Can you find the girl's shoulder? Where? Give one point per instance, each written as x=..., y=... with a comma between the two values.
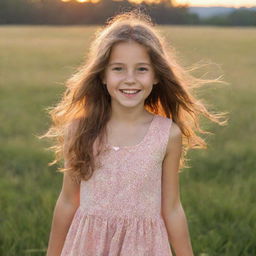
x=169, y=131
x=174, y=138
x=164, y=123
x=173, y=128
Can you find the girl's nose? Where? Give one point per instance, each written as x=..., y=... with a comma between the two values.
x=130, y=77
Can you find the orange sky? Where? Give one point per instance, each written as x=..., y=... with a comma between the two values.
x=233, y=3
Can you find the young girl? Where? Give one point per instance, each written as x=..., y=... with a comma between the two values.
x=123, y=127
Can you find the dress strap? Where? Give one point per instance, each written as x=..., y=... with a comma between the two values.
x=162, y=131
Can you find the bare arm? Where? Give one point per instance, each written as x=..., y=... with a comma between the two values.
x=172, y=210
x=64, y=211
x=66, y=206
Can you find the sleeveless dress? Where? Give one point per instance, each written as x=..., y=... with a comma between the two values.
x=120, y=205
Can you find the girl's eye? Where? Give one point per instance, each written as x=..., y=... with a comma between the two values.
x=143, y=69
x=117, y=69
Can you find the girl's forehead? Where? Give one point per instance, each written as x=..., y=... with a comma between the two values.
x=127, y=51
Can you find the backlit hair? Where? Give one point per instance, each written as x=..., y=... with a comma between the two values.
x=84, y=110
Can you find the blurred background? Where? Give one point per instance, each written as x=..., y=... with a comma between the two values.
x=41, y=44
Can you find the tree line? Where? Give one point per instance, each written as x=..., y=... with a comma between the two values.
x=57, y=12
x=239, y=17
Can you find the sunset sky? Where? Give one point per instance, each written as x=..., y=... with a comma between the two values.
x=232, y=3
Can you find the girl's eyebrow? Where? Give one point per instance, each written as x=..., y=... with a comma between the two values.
x=120, y=63
x=144, y=63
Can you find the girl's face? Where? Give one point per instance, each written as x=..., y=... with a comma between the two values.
x=129, y=75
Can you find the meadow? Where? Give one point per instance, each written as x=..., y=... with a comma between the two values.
x=217, y=191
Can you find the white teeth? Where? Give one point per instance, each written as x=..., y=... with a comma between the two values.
x=130, y=91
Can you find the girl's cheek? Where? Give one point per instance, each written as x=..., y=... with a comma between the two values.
x=113, y=82
x=146, y=80
x=117, y=79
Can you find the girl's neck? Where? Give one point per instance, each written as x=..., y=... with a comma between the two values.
x=131, y=117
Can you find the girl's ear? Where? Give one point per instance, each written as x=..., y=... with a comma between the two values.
x=156, y=81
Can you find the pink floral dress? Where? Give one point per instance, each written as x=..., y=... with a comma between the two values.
x=120, y=205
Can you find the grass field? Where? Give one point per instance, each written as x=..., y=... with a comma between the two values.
x=218, y=191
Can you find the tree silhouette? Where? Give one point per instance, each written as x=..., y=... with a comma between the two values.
x=73, y=12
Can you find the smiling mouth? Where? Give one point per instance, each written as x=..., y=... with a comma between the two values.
x=130, y=92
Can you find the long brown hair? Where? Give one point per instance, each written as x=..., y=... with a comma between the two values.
x=79, y=119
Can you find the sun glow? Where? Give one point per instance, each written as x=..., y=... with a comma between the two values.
x=147, y=1
x=82, y=1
